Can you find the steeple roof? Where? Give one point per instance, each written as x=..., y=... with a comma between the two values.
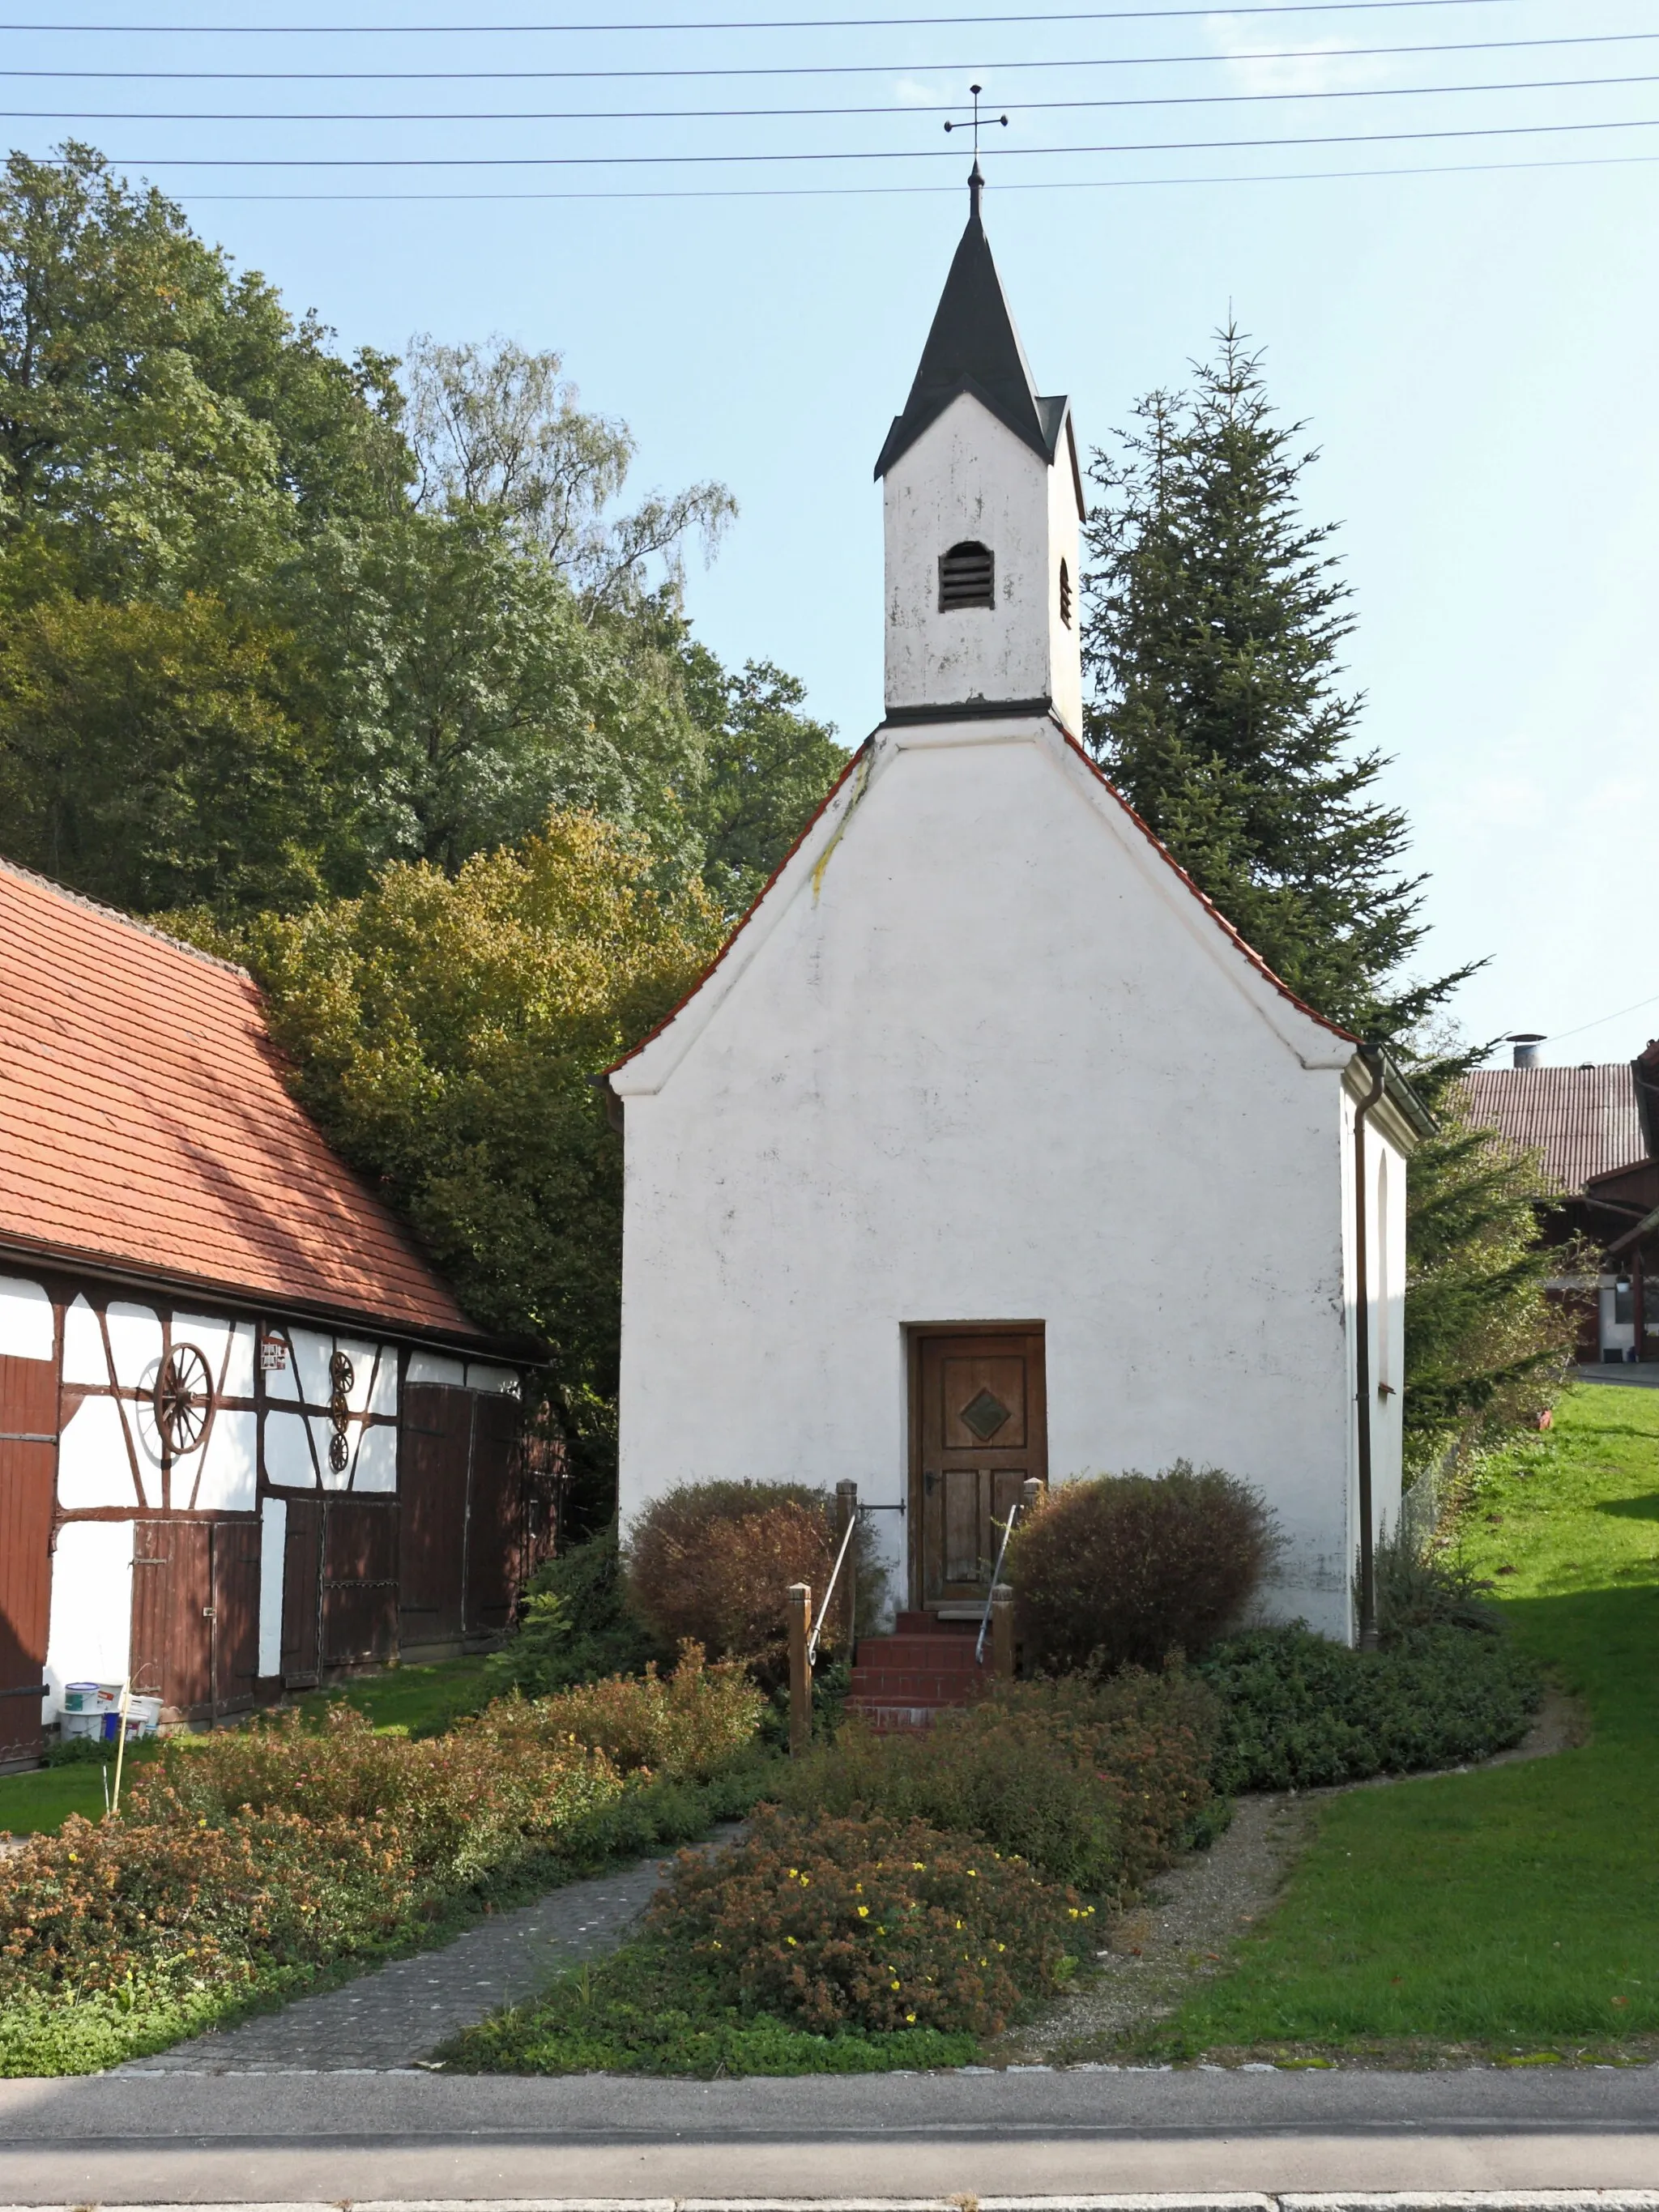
x=973, y=347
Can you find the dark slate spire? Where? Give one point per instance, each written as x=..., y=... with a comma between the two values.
x=973, y=347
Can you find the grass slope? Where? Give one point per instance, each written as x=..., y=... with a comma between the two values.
x=1518, y=1903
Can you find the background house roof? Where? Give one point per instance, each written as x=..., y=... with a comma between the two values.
x=144, y=1124
x=1584, y=1120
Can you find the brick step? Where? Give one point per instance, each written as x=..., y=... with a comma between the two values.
x=923, y=1681
x=929, y=1624
x=893, y=1720
x=935, y=1651
x=952, y=1681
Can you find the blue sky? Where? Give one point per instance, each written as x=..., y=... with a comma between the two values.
x=1474, y=352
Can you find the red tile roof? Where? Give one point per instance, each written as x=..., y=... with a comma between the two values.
x=1584, y=1120
x=144, y=1125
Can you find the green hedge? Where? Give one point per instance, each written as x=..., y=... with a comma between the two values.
x=1299, y=1711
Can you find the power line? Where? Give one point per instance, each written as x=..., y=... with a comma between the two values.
x=781, y=23
x=872, y=192
x=731, y=114
x=812, y=69
x=1602, y=1020
x=867, y=154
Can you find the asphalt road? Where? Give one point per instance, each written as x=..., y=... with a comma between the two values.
x=339, y=2136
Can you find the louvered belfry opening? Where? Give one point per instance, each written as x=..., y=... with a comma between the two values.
x=1065, y=595
x=967, y=577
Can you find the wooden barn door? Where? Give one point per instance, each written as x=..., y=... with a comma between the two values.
x=494, y=1525
x=28, y=1459
x=235, y=1614
x=196, y=1614
x=360, y=1581
x=979, y=1429
x=435, y=1453
x=172, y=1614
x=302, y=1594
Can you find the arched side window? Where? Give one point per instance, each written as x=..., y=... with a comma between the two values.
x=1064, y=595
x=967, y=577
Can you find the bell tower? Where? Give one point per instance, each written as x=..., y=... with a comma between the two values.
x=981, y=499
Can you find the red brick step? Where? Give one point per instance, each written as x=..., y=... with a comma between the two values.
x=924, y=1667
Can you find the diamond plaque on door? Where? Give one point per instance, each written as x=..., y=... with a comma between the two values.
x=984, y=1415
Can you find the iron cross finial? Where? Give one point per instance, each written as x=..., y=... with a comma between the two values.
x=961, y=123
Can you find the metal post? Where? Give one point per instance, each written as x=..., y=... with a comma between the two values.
x=1002, y=1633
x=1031, y=1495
x=121, y=1741
x=1362, y=1353
x=800, y=1672
x=847, y=1511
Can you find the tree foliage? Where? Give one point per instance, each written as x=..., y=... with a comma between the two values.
x=1485, y=1346
x=767, y=766
x=1213, y=639
x=276, y=619
x=446, y=1031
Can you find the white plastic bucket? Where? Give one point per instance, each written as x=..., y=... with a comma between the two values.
x=142, y=1716
x=90, y=1725
x=80, y=1698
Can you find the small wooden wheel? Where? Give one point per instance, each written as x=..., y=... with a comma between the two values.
x=183, y=1398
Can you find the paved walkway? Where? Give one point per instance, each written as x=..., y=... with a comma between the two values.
x=395, y=2015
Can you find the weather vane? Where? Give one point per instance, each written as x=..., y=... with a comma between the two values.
x=961, y=124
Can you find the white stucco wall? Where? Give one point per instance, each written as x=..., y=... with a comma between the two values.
x=89, y=1634
x=1003, y=1066
x=969, y=477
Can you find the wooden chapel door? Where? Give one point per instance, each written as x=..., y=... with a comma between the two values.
x=980, y=1429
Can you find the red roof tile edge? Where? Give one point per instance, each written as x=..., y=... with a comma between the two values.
x=127, y=920
x=112, y=1268
x=1095, y=769
x=1203, y=898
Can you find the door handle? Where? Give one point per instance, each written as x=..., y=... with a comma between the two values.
x=208, y=1612
x=927, y=1481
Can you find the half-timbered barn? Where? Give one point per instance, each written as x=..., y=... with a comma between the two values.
x=248, y=1439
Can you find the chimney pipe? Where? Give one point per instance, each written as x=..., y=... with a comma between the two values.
x=1526, y=1043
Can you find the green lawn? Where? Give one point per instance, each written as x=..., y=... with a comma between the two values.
x=420, y=1699
x=1518, y=1907
x=425, y=1701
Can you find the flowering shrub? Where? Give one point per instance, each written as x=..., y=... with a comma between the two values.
x=1146, y=1738
x=247, y=1860
x=838, y=1925
x=461, y=1805
x=1096, y=1785
x=691, y=1724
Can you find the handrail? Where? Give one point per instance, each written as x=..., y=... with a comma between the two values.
x=996, y=1577
x=823, y=1611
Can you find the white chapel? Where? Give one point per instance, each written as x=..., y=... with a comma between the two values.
x=987, y=1149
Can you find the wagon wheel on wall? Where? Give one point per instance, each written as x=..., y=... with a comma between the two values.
x=183, y=1399
x=342, y=1374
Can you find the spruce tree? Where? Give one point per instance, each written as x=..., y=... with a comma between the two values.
x=1216, y=620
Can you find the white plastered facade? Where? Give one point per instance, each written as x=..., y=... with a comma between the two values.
x=967, y=478
x=982, y=1054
